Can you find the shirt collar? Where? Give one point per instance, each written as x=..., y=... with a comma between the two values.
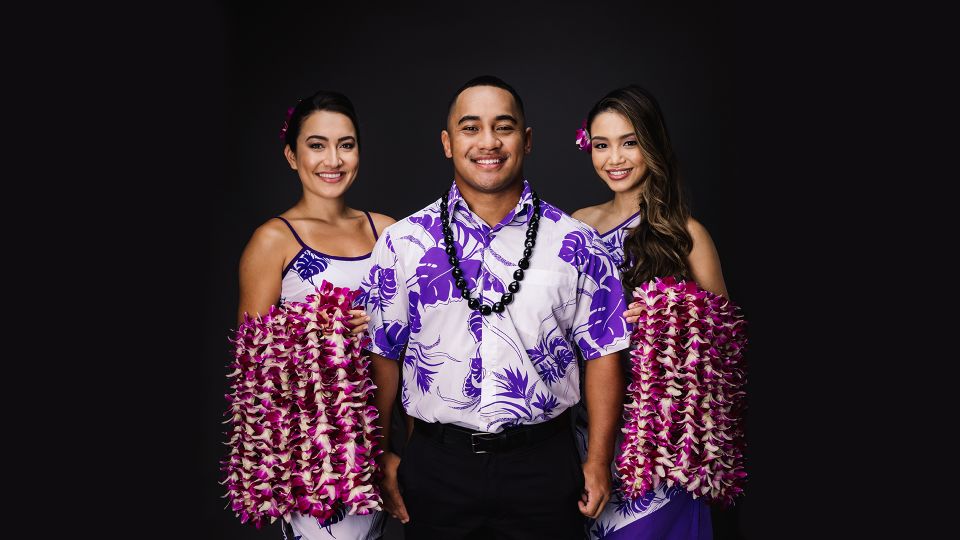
x=520, y=213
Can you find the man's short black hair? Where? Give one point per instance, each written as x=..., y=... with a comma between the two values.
x=484, y=80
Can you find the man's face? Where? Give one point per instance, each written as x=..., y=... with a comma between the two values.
x=486, y=139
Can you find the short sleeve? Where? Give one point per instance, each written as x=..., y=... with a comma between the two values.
x=601, y=328
x=386, y=301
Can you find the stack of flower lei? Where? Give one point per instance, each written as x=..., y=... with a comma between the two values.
x=303, y=434
x=684, y=416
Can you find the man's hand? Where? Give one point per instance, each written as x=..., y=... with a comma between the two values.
x=596, y=489
x=390, y=487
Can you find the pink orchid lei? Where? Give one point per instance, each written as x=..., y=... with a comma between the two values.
x=583, y=138
x=684, y=416
x=303, y=432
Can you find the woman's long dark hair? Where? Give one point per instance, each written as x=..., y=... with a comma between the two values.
x=659, y=245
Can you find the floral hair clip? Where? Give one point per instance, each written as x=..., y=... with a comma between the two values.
x=583, y=138
x=286, y=123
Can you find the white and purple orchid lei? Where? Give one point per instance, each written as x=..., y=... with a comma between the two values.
x=303, y=435
x=683, y=423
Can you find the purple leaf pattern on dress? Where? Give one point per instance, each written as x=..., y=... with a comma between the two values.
x=309, y=264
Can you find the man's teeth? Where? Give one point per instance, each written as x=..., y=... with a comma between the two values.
x=330, y=175
x=489, y=161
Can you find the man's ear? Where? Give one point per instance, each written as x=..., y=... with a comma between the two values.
x=445, y=141
x=291, y=157
x=528, y=140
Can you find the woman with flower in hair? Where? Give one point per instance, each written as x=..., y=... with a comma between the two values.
x=318, y=239
x=648, y=230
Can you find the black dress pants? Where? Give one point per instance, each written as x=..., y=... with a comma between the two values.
x=527, y=493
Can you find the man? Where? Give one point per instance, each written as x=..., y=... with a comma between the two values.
x=484, y=296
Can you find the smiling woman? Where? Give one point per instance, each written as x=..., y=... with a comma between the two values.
x=648, y=230
x=318, y=239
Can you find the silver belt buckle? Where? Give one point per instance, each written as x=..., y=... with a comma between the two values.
x=474, y=437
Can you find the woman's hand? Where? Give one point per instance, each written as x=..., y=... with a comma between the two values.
x=633, y=312
x=358, y=324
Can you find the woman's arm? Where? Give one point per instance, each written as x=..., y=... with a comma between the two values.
x=261, y=266
x=704, y=261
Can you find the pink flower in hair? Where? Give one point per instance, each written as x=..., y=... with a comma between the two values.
x=583, y=138
x=286, y=123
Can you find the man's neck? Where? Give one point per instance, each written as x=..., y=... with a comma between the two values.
x=491, y=207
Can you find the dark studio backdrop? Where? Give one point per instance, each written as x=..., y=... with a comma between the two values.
x=399, y=65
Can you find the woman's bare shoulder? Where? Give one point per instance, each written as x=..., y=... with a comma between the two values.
x=591, y=215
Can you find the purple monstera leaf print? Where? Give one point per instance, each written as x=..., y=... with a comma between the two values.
x=468, y=239
x=435, y=278
x=379, y=287
x=414, y=311
x=550, y=211
x=476, y=324
x=392, y=338
x=492, y=283
x=432, y=224
x=308, y=265
x=471, y=384
x=606, y=323
x=574, y=249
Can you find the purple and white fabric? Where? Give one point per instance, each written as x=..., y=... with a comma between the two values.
x=307, y=270
x=511, y=368
x=666, y=513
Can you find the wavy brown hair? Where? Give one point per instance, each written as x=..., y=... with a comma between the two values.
x=659, y=245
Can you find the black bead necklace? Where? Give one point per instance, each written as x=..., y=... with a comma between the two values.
x=532, y=224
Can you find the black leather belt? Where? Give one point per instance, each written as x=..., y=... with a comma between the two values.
x=481, y=442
